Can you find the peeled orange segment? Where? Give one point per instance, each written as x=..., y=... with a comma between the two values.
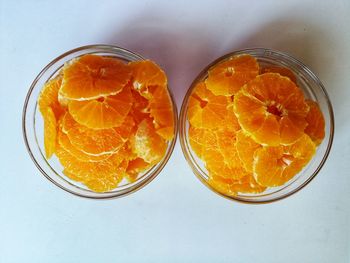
x=50, y=132
x=161, y=109
x=285, y=72
x=272, y=109
x=109, y=182
x=49, y=97
x=135, y=168
x=205, y=110
x=231, y=187
x=274, y=166
x=147, y=74
x=139, y=110
x=88, y=170
x=147, y=144
x=65, y=143
x=89, y=141
x=127, y=128
x=102, y=113
x=201, y=139
x=229, y=76
x=215, y=163
x=246, y=148
x=315, y=123
x=91, y=77
x=226, y=142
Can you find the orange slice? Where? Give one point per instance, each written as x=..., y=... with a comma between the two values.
x=201, y=139
x=315, y=123
x=89, y=170
x=229, y=76
x=232, y=187
x=205, y=110
x=65, y=143
x=272, y=109
x=50, y=132
x=91, y=77
x=89, y=141
x=246, y=148
x=49, y=97
x=161, y=109
x=147, y=74
x=226, y=142
x=147, y=144
x=286, y=72
x=274, y=166
x=135, y=168
x=102, y=113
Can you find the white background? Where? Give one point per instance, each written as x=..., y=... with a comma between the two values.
x=175, y=218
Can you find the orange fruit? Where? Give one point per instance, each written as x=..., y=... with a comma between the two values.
x=286, y=72
x=226, y=142
x=127, y=128
x=201, y=139
x=102, y=113
x=139, y=110
x=147, y=74
x=272, y=109
x=50, y=132
x=65, y=143
x=231, y=187
x=205, y=110
x=246, y=148
x=49, y=97
x=107, y=183
x=87, y=170
x=147, y=144
x=161, y=109
x=274, y=166
x=89, y=141
x=91, y=77
x=315, y=123
x=227, y=77
x=135, y=168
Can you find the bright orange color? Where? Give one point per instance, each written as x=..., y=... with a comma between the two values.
x=136, y=167
x=274, y=166
x=65, y=143
x=246, y=148
x=89, y=141
x=229, y=76
x=91, y=77
x=285, y=72
x=161, y=109
x=272, y=109
x=147, y=74
x=49, y=97
x=107, y=120
x=147, y=144
x=50, y=132
x=201, y=139
x=315, y=123
x=231, y=187
x=103, y=113
x=205, y=110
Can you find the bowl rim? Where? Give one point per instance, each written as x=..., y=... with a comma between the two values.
x=135, y=188
x=183, y=120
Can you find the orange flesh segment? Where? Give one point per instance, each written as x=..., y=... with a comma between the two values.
x=91, y=77
x=285, y=72
x=102, y=113
x=315, y=123
x=229, y=76
x=50, y=132
x=269, y=107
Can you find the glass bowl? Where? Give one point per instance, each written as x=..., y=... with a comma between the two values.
x=32, y=124
x=312, y=89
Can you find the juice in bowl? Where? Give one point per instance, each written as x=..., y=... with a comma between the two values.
x=100, y=121
x=256, y=125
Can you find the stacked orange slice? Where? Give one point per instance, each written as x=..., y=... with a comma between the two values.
x=107, y=120
x=252, y=127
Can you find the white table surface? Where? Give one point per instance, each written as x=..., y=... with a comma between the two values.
x=175, y=218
